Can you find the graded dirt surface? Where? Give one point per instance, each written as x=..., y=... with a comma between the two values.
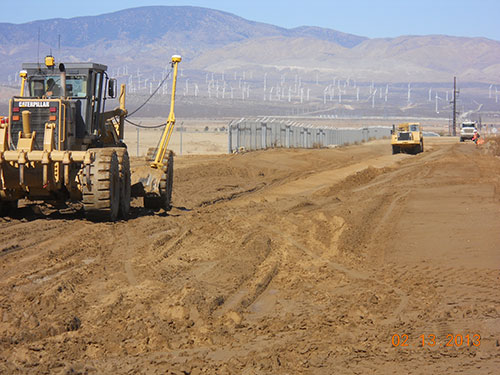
x=270, y=262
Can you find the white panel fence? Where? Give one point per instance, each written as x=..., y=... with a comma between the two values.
x=248, y=134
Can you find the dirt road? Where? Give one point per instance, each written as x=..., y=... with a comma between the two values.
x=274, y=262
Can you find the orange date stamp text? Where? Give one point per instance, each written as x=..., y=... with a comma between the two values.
x=431, y=340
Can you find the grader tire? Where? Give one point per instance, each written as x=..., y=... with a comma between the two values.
x=101, y=199
x=124, y=170
x=150, y=155
x=163, y=200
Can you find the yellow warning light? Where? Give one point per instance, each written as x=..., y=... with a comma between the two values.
x=23, y=74
x=49, y=61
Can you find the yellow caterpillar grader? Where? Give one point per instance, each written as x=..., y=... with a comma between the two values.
x=59, y=144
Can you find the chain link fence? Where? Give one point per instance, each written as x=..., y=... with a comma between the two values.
x=251, y=134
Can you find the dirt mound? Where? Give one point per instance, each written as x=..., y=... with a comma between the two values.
x=491, y=146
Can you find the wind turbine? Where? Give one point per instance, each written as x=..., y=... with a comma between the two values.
x=138, y=78
x=437, y=98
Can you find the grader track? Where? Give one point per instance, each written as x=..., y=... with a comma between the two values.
x=270, y=262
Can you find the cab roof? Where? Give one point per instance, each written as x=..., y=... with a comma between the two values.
x=68, y=66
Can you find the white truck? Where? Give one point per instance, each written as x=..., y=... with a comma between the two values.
x=467, y=130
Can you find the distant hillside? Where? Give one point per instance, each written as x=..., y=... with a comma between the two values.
x=433, y=58
x=194, y=27
x=209, y=40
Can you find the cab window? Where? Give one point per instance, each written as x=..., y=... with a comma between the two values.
x=76, y=86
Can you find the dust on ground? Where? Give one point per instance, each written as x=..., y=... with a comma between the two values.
x=270, y=262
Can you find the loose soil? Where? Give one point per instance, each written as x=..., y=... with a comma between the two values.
x=270, y=262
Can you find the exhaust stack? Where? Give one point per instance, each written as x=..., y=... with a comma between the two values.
x=62, y=69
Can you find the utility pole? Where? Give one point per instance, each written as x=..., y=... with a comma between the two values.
x=455, y=93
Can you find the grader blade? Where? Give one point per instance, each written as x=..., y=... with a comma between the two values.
x=155, y=185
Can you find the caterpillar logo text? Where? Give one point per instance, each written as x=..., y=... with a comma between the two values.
x=34, y=104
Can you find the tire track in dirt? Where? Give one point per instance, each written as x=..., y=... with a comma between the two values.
x=354, y=274
x=157, y=293
x=56, y=242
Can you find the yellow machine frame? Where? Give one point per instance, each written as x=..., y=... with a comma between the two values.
x=169, y=128
x=412, y=142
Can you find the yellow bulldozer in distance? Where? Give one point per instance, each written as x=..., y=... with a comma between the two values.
x=407, y=138
x=59, y=144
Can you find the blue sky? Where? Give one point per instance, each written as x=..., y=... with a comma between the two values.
x=375, y=18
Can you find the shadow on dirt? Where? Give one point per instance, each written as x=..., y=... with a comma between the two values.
x=75, y=211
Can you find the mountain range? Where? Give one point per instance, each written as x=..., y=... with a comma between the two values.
x=214, y=41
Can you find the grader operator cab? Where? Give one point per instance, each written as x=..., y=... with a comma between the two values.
x=407, y=138
x=59, y=143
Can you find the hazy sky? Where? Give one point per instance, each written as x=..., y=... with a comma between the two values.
x=371, y=18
